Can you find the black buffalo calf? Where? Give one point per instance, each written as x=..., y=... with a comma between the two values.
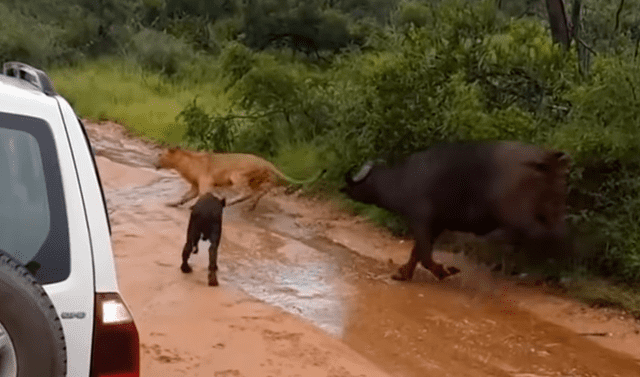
x=205, y=223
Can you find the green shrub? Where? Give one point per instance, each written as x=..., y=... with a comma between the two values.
x=602, y=135
x=226, y=30
x=204, y=131
x=236, y=60
x=412, y=13
x=300, y=161
x=160, y=51
x=24, y=40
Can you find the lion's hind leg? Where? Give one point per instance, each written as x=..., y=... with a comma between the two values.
x=260, y=182
x=258, y=196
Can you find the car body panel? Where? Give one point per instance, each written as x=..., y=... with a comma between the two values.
x=73, y=297
x=105, y=273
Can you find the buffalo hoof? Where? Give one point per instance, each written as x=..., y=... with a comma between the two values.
x=496, y=267
x=405, y=273
x=440, y=273
x=213, y=280
x=453, y=270
x=185, y=268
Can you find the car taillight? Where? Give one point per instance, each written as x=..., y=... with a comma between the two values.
x=116, y=346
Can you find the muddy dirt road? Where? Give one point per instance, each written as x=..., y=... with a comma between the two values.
x=305, y=291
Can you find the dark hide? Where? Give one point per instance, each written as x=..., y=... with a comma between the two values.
x=205, y=223
x=506, y=188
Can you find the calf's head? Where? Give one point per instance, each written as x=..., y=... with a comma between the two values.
x=360, y=186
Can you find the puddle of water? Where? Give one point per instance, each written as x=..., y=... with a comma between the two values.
x=297, y=278
x=286, y=225
x=306, y=275
x=305, y=290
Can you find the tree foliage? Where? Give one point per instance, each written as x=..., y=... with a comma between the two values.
x=465, y=73
x=361, y=79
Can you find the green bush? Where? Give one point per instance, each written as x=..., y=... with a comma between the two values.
x=236, y=60
x=22, y=39
x=203, y=131
x=603, y=136
x=160, y=51
x=411, y=13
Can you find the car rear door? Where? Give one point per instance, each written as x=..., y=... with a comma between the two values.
x=43, y=217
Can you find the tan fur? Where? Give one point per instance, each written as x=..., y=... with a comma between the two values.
x=252, y=175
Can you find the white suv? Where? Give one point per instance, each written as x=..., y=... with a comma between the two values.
x=61, y=313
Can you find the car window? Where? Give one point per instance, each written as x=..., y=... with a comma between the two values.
x=33, y=220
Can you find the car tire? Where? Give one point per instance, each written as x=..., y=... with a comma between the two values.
x=31, y=335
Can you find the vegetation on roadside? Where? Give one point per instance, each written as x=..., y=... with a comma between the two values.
x=601, y=293
x=331, y=83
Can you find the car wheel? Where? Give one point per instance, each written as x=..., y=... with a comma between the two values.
x=31, y=337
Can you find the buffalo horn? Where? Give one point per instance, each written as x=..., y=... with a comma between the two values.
x=362, y=174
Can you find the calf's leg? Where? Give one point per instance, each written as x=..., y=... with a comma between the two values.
x=186, y=252
x=193, y=236
x=214, y=239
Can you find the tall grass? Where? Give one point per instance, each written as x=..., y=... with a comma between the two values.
x=145, y=102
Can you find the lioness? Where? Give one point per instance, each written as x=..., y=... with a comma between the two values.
x=253, y=175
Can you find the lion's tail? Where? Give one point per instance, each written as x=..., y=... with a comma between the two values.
x=317, y=176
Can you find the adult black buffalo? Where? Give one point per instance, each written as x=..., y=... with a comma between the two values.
x=507, y=188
